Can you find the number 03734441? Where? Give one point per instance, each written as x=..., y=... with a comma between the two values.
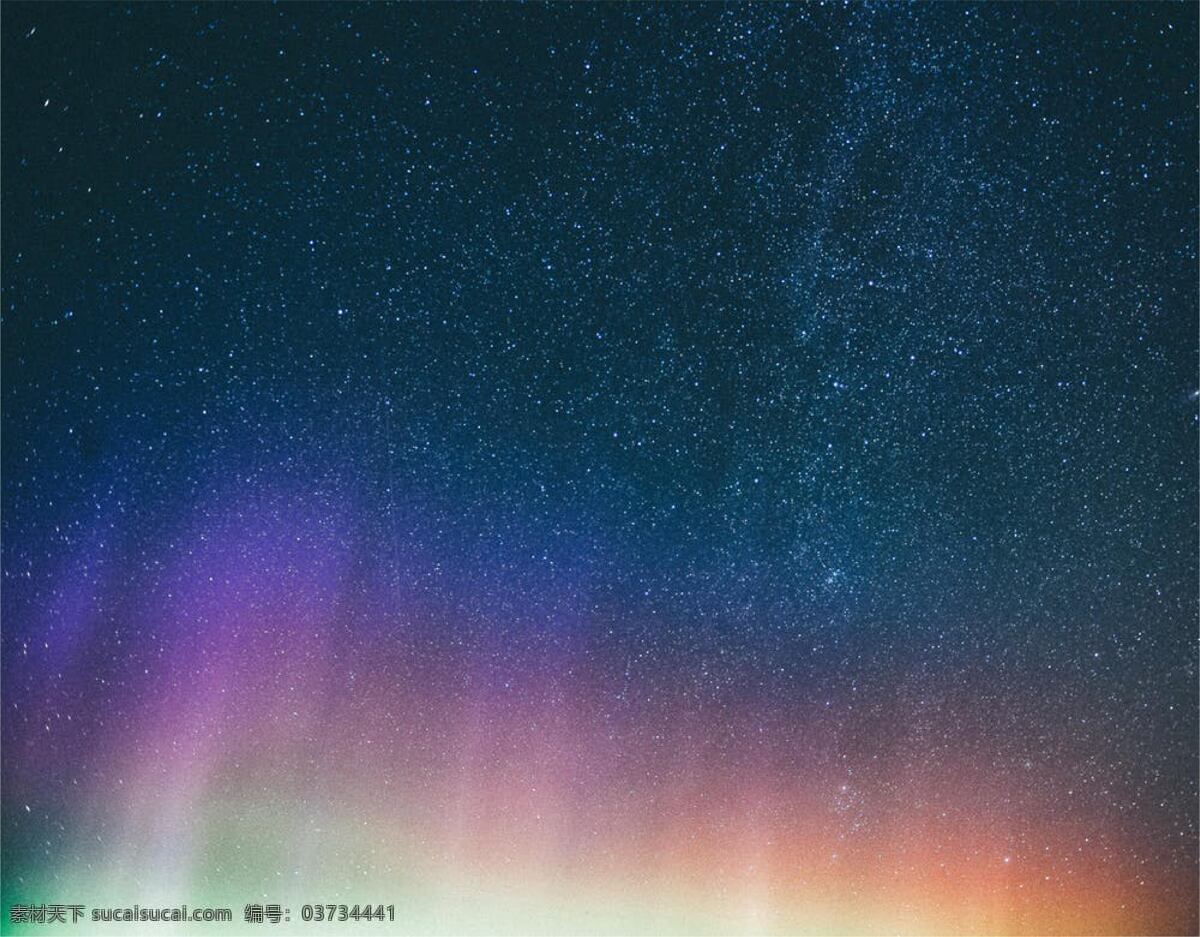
x=344, y=912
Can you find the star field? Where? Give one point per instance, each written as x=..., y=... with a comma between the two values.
x=604, y=469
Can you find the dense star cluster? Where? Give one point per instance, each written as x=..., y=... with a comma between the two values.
x=622, y=468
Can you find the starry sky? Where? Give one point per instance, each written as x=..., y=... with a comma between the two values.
x=603, y=469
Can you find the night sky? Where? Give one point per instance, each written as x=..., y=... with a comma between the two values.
x=603, y=469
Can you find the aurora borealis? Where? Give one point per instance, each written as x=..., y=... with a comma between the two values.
x=595, y=469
